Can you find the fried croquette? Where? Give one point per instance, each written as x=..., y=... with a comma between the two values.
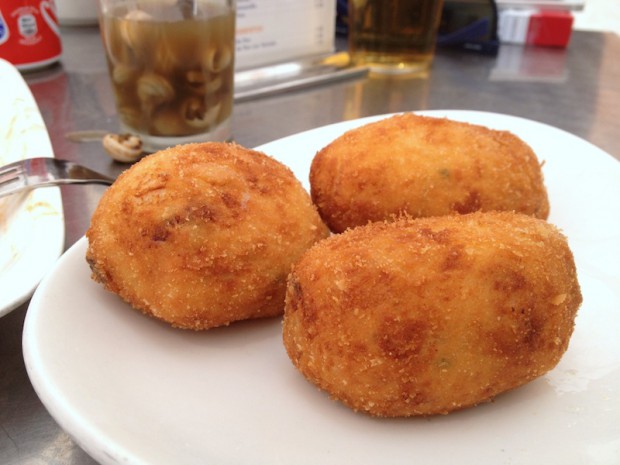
x=427, y=316
x=424, y=166
x=202, y=235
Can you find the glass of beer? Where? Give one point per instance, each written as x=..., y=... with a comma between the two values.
x=394, y=36
x=171, y=65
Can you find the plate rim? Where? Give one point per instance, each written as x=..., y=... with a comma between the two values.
x=113, y=453
x=12, y=78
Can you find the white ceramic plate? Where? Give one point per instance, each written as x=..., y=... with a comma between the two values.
x=31, y=225
x=132, y=390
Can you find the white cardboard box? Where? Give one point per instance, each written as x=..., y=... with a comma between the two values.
x=272, y=31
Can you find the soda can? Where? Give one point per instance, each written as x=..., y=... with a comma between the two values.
x=29, y=33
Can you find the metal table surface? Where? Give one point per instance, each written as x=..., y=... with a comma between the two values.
x=577, y=89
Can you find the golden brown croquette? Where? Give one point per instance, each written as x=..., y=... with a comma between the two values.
x=202, y=235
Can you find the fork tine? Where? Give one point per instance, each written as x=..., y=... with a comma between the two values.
x=11, y=176
x=9, y=171
x=40, y=172
x=7, y=168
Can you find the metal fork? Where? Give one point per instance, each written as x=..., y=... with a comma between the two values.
x=32, y=173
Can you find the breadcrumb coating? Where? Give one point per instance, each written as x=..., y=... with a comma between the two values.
x=427, y=316
x=424, y=166
x=202, y=235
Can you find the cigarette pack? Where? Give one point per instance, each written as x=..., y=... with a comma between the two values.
x=549, y=28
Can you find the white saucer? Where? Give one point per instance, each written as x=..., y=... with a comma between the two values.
x=132, y=390
x=31, y=225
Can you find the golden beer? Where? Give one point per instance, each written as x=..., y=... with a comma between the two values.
x=394, y=36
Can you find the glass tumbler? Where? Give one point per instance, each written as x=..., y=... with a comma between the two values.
x=171, y=65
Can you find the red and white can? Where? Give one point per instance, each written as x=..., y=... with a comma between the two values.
x=29, y=34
